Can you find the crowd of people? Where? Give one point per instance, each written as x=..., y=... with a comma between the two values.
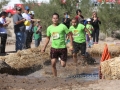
x=80, y=33
x=25, y=28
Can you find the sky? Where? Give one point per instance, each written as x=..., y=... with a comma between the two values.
x=12, y=2
x=31, y=0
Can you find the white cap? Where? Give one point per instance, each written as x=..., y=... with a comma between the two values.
x=88, y=19
x=31, y=12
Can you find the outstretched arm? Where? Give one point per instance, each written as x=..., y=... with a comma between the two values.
x=46, y=43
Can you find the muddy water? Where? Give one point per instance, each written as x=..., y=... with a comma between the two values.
x=79, y=72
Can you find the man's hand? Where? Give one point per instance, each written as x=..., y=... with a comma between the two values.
x=23, y=20
x=71, y=48
x=90, y=37
x=43, y=50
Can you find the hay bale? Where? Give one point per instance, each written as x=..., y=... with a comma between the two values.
x=110, y=69
x=26, y=58
x=12, y=60
x=97, y=49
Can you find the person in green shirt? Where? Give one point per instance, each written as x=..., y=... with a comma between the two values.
x=57, y=32
x=90, y=28
x=79, y=40
x=37, y=34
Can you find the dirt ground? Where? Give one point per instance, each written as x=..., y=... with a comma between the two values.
x=69, y=78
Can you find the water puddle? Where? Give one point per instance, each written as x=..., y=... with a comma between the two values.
x=85, y=76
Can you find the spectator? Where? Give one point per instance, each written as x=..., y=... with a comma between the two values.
x=31, y=13
x=66, y=20
x=28, y=27
x=19, y=29
x=79, y=17
x=37, y=34
x=3, y=31
x=90, y=28
x=95, y=22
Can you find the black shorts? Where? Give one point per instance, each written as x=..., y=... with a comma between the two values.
x=79, y=47
x=56, y=53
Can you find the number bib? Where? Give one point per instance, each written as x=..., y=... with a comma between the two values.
x=76, y=33
x=55, y=35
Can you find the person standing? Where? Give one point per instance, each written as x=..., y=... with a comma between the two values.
x=57, y=32
x=3, y=32
x=19, y=29
x=95, y=22
x=31, y=13
x=79, y=40
x=79, y=17
x=66, y=20
x=37, y=34
x=91, y=29
x=28, y=27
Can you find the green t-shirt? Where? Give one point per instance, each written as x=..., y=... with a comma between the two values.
x=89, y=27
x=58, y=33
x=36, y=36
x=78, y=33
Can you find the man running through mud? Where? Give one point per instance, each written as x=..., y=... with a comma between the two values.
x=79, y=39
x=57, y=32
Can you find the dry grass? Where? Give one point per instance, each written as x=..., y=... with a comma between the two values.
x=97, y=49
x=26, y=58
x=111, y=68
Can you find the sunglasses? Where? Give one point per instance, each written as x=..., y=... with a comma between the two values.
x=20, y=10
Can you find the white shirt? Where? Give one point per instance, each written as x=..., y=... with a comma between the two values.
x=27, y=17
x=2, y=29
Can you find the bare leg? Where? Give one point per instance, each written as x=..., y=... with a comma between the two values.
x=84, y=61
x=63, y=63
x=54, y=70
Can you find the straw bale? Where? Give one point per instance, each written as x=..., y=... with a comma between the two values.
x=26, y=58
x=24, y=52
x=110, y=69
x=12, y=60
x=97, y=49
x=105, y=70
x=36, y=49
x=2, y=58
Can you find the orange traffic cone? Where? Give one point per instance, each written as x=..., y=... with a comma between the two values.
x=105, y=56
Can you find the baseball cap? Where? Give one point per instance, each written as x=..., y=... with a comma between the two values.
x=88, y=19
x=31, y=13
x=27, y=8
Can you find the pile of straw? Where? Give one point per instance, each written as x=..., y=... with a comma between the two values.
x=97, y=49
x=26, y=58
x=110, y=69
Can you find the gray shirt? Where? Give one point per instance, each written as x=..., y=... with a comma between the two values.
x=18, y=27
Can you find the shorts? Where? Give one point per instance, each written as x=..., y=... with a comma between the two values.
x=87, y=37
x=56, y=53
x=79, y=47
